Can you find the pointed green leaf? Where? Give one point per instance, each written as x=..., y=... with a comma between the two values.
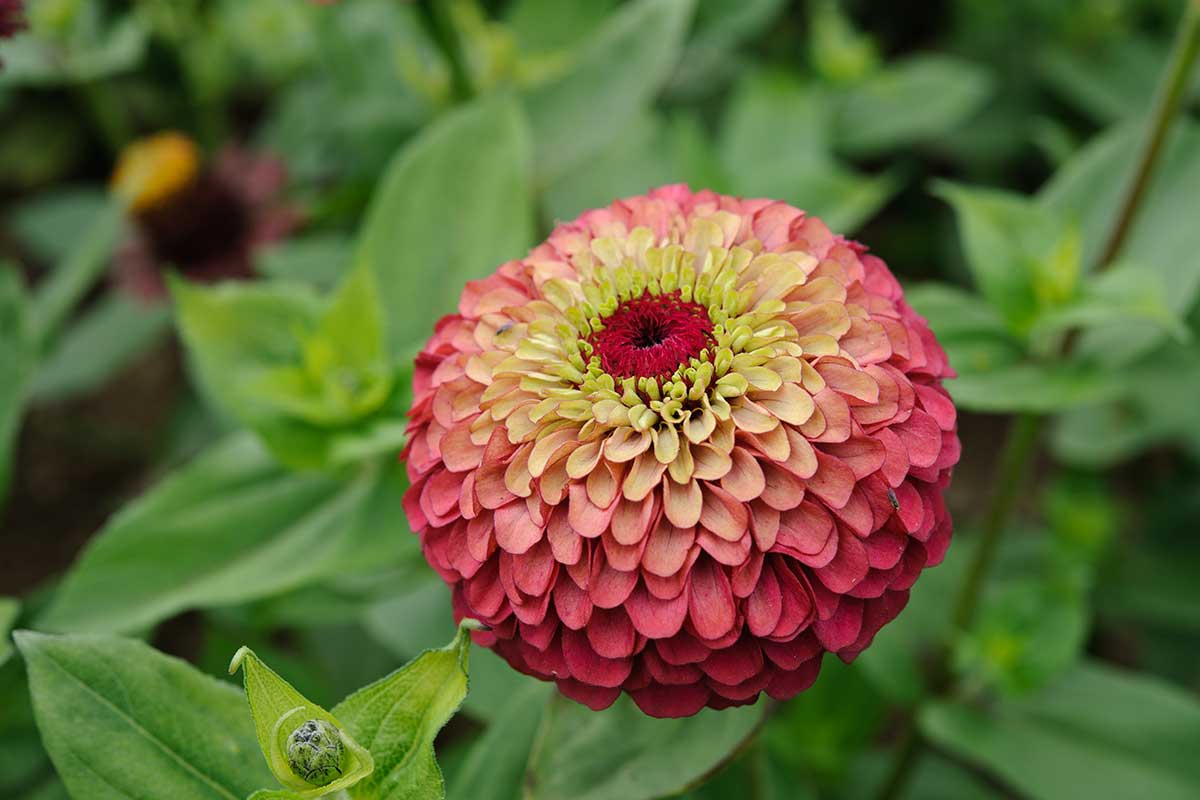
x=105, y=339
x=453, y=205
x=1127, y=293
x=1098, y=732
x=1034, y=387
x=908, y=101
x=622, y=754
x=16, y=364
x=122, y=721
x=279, y=710
x=769, y=108
x=1089, y=188
x=398, y=717
x=1006, y=239
x=344, y=373
x=614, y=76
x=231, y=526
x=494, y=768
x=78, y=271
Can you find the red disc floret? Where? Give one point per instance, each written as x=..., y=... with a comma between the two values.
x=651, y=336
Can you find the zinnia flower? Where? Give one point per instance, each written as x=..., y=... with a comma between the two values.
x=682, y=449
x=204, y=221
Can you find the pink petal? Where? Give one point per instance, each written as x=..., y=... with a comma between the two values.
x=849, y=564
x=608, y=586
x=667, y=548
x=611, y=634
x=723, y=515
x=842, y=628
x=671, y=701
x=734, y=664
x=833, y=481
x=655, y=618
x=588, y=666
x=565, y=543
x=731, y=554
x=764, y=606
x=572, y=604
x=631, y=520
x=516, y=531
x=534, y=570
x=710, y=600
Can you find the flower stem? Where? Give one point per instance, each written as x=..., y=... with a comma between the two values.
x=1020, y=446
x=1021, y=443
x=438, y=24
x=1166, y=103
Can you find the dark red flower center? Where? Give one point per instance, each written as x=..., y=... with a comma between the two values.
x=206, y=221
x=652, y=336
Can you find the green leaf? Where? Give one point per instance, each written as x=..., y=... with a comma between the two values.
x=640, y=156
x=344, y=373
x=1027, y=633
x=712, y=59
x=311, y=378
x=318, y=259
x=47, y=223
x=1124, y=294
x=612, y=80
x=1034, y=387
x=229, y=527
x=1155, y=406
x=551, y=25
x=821, y=731
x=278, y=710
x=10, y=609
x=912, y=100
x=16, y=364
x=622, y=754
x=769, y=108
x=494, y=768
x=121, y=721
x=973, y=333
x=80, y=268
x=91, y=48
x=105, y=339
x=398, y=717
x=1089, y=189
x=416, y=619
x=1098, y=732
x=1007, y=239
x=453, y=205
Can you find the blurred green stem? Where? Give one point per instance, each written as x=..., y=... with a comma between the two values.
x=1020, y=446
x=1166, y=103
x=438, y=21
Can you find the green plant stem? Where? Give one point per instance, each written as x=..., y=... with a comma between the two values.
x=1166, y=103
x=1021, y=442
x=1020, y=447
x=436, y=19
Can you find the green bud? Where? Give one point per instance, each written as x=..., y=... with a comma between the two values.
x=315, y=752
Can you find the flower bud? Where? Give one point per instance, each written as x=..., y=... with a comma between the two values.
x=315, y=752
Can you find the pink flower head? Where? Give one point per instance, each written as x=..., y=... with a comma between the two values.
x=682, y=449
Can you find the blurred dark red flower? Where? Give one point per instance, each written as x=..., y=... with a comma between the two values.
x=204, y=221
x=12, y=17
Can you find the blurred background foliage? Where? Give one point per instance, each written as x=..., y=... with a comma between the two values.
x=979, y=147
